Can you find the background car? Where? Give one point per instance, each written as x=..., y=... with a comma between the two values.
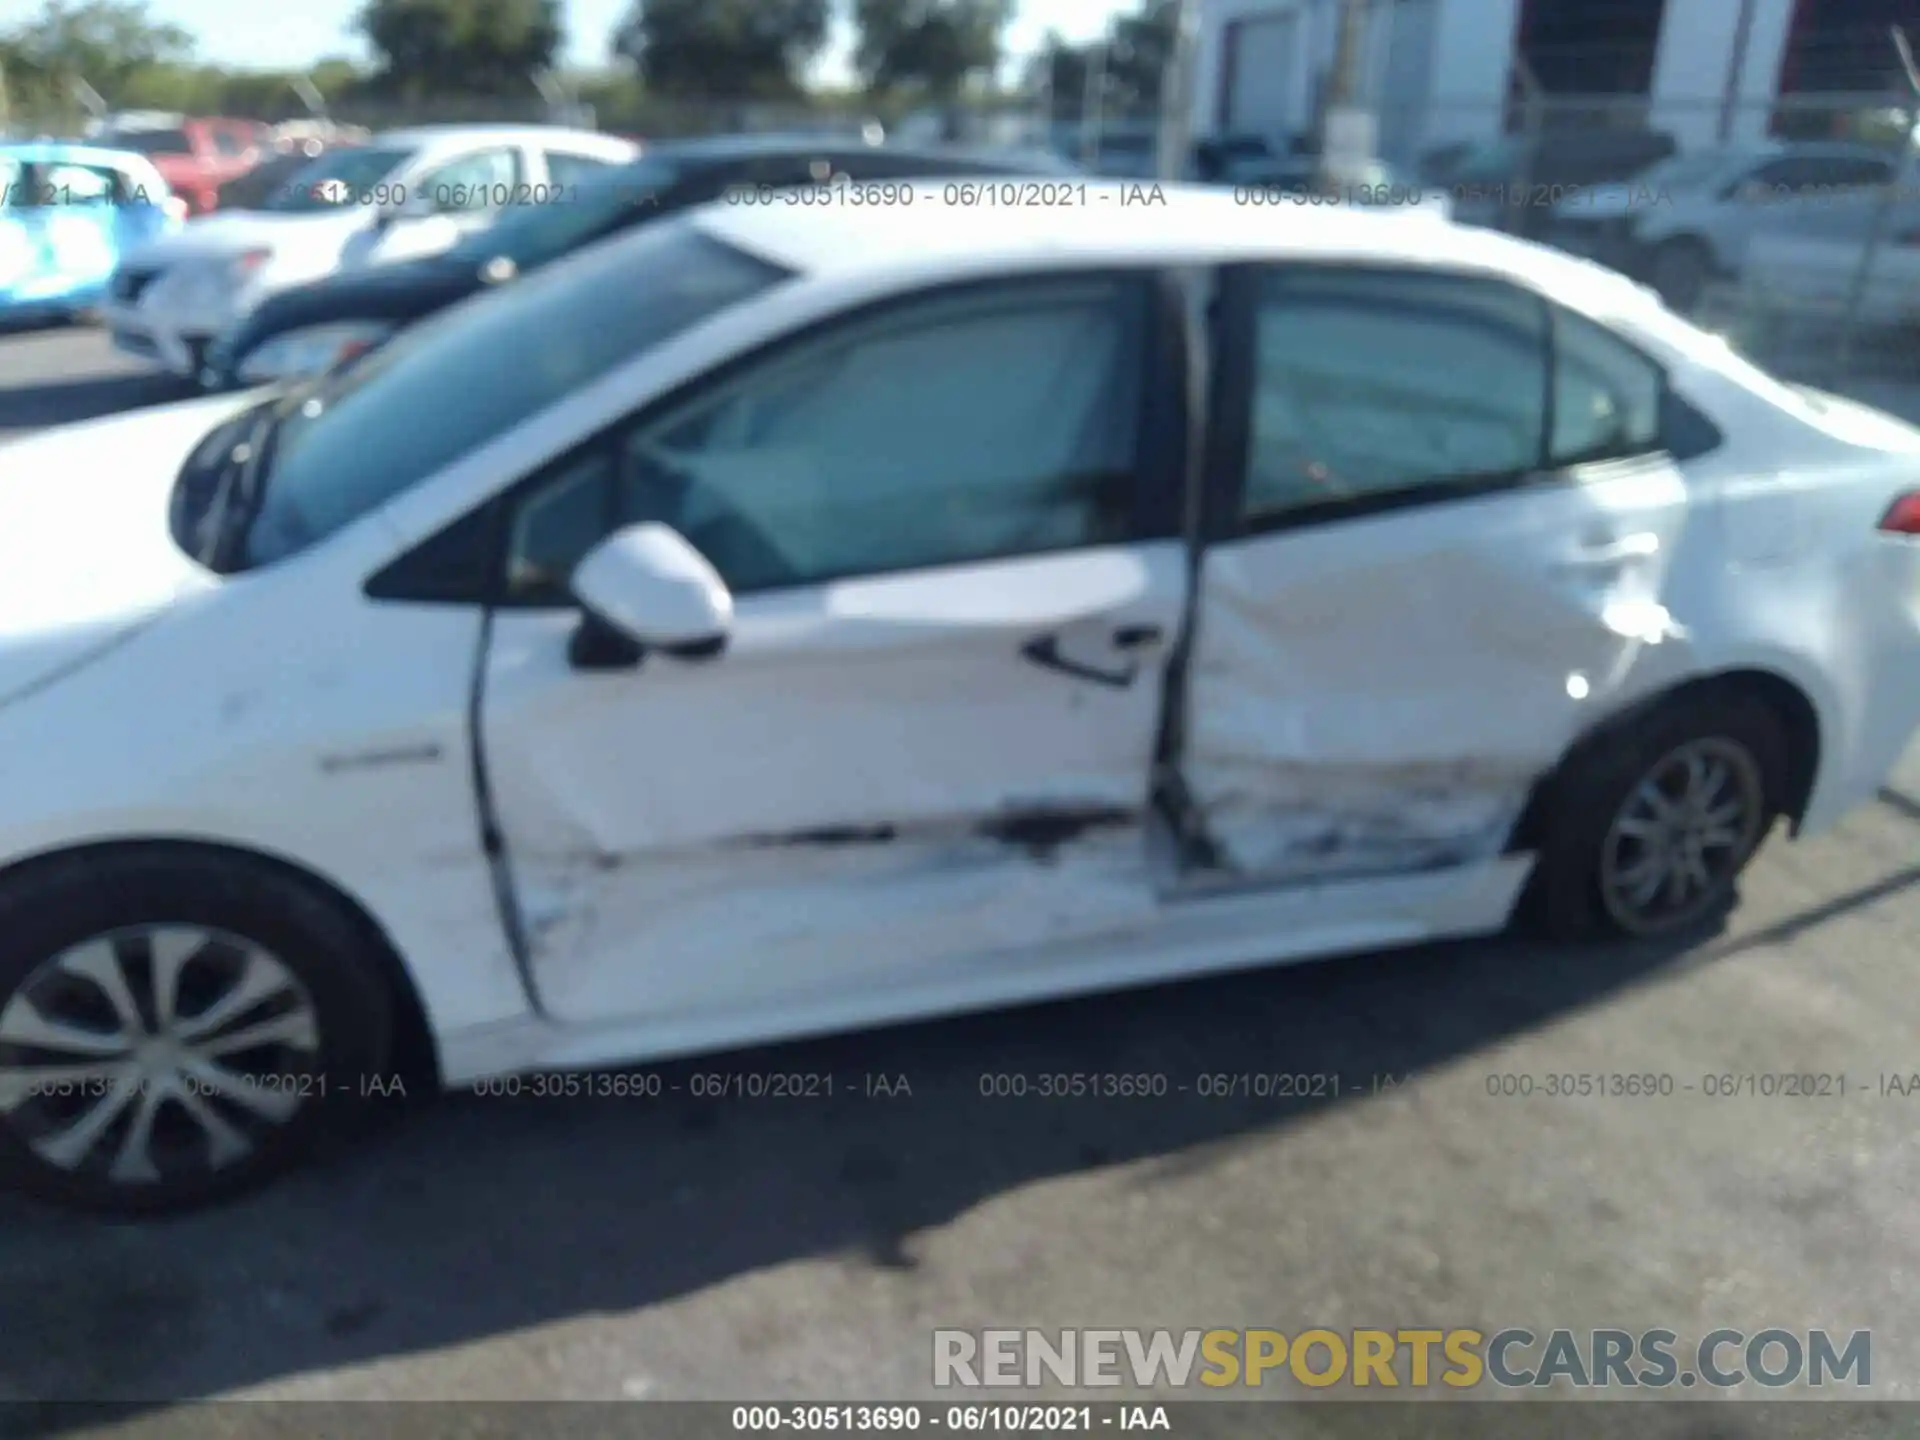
x=67, y=213
x=1487, y=181
x=315, y=327
x=196, y=156
x=405, y=194
x=256, y=189
x=1809, y=265
x=1686, y=222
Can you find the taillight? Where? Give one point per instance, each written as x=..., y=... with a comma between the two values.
x=1903, y=516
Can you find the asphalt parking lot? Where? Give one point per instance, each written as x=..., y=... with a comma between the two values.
x=677, y=1248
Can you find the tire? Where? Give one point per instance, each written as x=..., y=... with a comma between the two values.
x=327, y=1011
x=1583, y=845
x=1680, y=271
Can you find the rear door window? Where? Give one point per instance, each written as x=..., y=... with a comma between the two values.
x=1376, y=387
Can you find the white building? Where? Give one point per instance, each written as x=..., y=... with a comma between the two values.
x=1439, y=71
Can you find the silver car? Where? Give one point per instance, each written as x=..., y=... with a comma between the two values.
x=1689, y=220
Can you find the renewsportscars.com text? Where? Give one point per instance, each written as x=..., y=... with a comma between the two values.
x=1459, y=1358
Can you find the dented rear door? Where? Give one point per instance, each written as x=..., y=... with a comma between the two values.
x=1439, y=524
x=951, y=533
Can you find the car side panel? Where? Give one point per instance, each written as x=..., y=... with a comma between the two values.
x=285, y=714
x=1801, y=585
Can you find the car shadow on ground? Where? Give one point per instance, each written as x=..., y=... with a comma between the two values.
x=70, y=400
x=473, y=1217
x=67, y=402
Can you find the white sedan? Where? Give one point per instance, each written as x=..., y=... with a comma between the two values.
x=790, y=618
x=404, y=195
x=1813, y=269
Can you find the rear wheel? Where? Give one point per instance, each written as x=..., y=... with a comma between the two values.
x=1681, y=270
x=178, y=1029
x=1646, y=832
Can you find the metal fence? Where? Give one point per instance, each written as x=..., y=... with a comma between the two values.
x=1814, y=272
x=1790, y=226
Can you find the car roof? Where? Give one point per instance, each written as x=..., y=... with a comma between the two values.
x=751, y=147
x=724, y=149
x=419, y=136
x=1196, y=224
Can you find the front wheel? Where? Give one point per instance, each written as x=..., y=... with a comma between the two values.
x=1645, y=833
x=175, y=1028
x=1680, y=272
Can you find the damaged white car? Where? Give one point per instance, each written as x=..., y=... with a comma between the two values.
x=788, y=619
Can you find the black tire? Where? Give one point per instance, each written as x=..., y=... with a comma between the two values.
x=50, y=907
x=1564, y=900
x=1681, y=271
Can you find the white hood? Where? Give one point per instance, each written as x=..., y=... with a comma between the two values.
x=85, y=553
x=310, y=237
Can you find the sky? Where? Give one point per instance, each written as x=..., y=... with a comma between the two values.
x=286, y=34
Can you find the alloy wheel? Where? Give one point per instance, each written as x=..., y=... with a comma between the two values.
x=157, y=1053
x=1682, y=835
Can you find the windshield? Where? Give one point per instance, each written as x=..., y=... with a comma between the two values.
x=340, y=178
x=531, y=235
x=386, y=424
x=147, y=142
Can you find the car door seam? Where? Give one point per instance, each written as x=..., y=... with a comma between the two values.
x=493, y=840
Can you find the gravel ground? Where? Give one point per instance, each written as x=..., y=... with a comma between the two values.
x=491, y=1249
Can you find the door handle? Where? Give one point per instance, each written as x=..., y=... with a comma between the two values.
x=1045, y=652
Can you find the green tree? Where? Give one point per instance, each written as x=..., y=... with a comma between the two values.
x=1059, y=70
x=460, y=47
x=1139, y=46
x=929, y=46
x=723, y=49
x=106, y=43
x=334, y=75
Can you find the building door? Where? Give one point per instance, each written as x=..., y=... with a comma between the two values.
x=1262, y=91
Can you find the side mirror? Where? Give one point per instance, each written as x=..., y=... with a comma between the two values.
x=645, y=588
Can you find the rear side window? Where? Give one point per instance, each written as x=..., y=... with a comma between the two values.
x=1606, y=395
x=1613, y=402
x=565, y=170
x=1371, y=386
x=1378, y=388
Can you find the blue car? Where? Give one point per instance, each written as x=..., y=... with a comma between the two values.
x=67, y=214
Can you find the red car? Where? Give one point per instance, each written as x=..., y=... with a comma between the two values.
x=196, y=157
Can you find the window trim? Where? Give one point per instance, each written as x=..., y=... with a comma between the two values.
x=549, y=153
x=1159, y=454
x=1234, y=316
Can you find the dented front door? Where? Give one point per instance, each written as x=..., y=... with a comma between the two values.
x=1421, y=585
x=925, y=749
